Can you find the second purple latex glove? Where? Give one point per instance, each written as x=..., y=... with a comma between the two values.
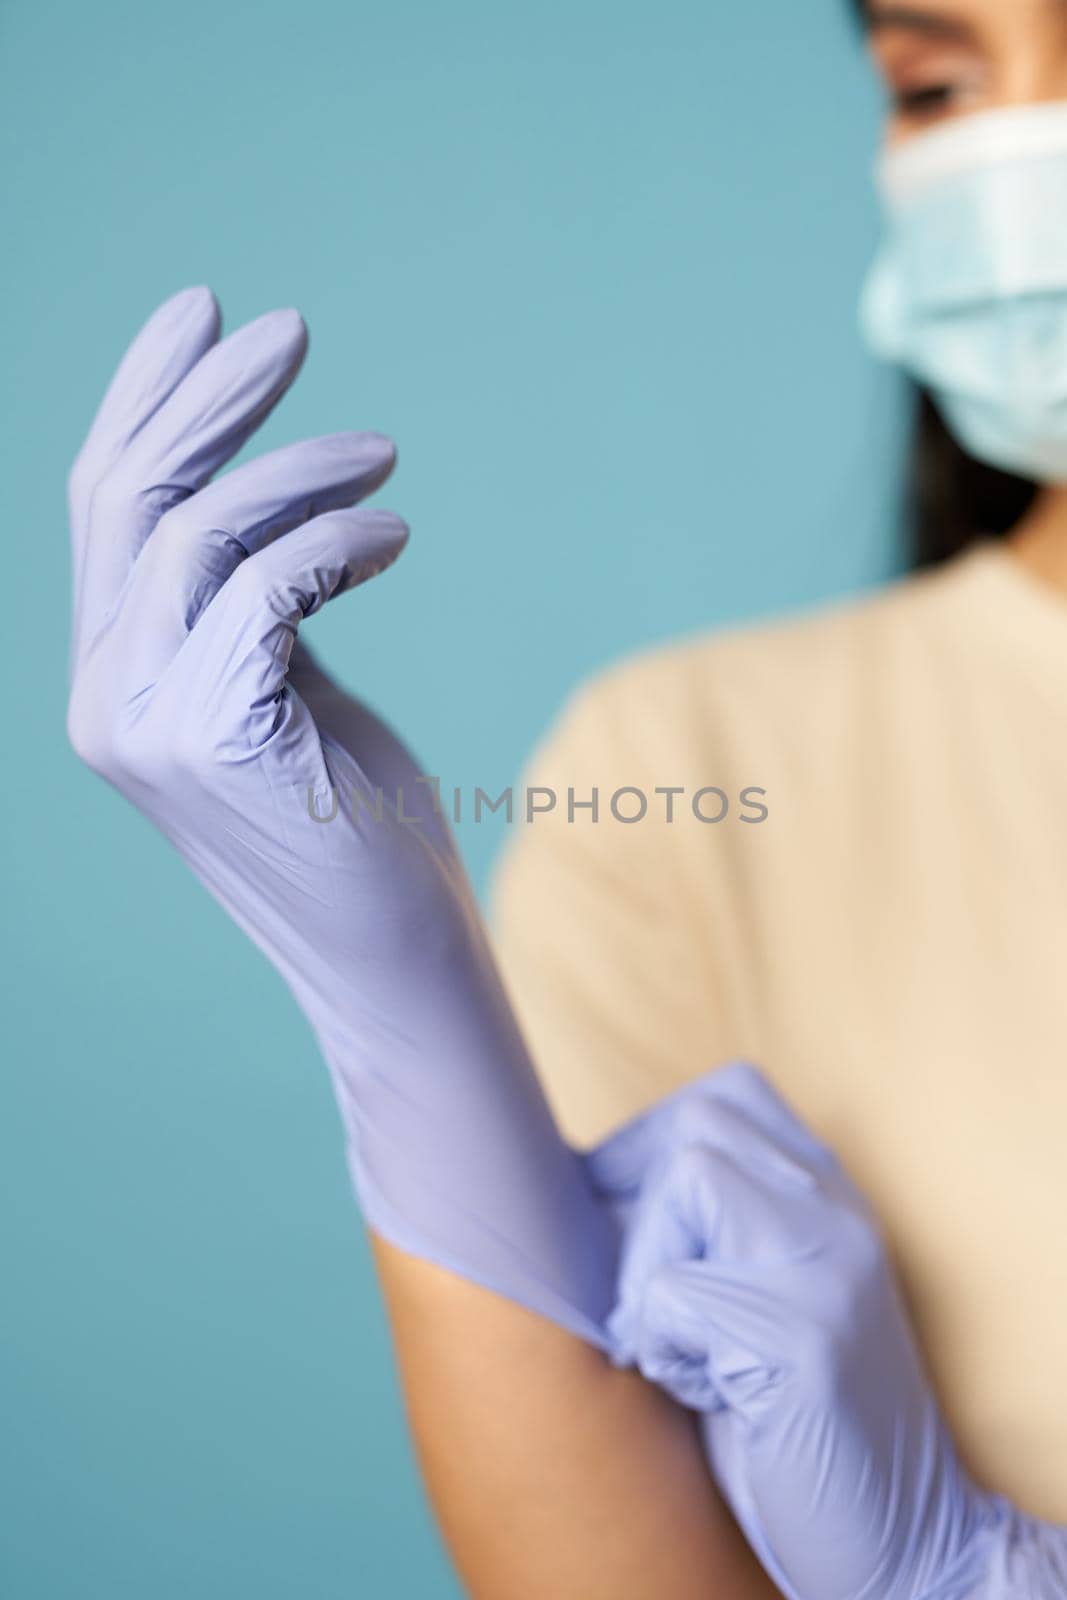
x=755, y=1287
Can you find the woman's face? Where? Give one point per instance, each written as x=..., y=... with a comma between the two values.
x=942, y=59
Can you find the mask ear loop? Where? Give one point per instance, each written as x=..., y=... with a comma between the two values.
x=969, y=144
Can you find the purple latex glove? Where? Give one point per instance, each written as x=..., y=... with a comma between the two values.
x=756, y=1289
x=192, y=696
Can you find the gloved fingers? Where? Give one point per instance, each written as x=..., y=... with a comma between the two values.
x=722, y=1111
x=161, y=355
x=233, y=665
x=670, y=1338
x=709, y=1205
x=168, y=346
x=733, y=1107
x=223, y=400
x=675, y=1220
x=707, y=1337
x=199, y=544
x=205, y=420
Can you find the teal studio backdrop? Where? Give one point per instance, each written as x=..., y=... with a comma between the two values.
x=594, y=266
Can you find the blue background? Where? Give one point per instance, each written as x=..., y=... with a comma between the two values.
x=595, y=268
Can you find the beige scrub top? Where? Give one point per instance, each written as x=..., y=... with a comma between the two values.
x=889, y=944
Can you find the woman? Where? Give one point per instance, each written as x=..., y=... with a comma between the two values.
x=888, y=945
x=553, y=1471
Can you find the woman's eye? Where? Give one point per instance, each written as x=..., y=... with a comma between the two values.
x=931, y=97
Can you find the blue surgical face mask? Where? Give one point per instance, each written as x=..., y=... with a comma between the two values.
x=969, y=291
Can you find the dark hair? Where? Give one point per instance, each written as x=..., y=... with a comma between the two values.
x=950, y=498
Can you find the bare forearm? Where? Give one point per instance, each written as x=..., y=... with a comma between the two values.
x=552, y=1473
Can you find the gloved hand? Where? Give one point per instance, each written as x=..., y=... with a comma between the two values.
x=192, y=695
x=756, y=1289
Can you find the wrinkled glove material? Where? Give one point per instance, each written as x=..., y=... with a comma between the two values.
x=193, y=694
x=756, y=1288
